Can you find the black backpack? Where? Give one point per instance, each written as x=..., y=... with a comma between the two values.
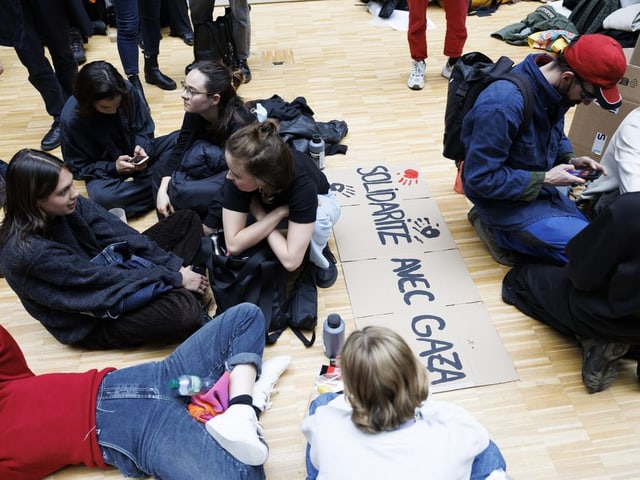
x=257, y=276
x=471, y=75
x=213, y=40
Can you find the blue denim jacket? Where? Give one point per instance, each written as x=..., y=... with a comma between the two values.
x=504, y=167
x=118, y=253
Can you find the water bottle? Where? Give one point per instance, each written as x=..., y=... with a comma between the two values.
x=316, y=150
x=333, y=336
x=189, y=385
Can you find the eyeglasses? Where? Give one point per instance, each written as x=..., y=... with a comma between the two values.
x=190, y=92
x=585, y=94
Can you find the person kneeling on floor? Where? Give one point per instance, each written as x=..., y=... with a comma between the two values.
x=595, y=296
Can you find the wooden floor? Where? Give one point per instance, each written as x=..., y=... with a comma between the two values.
x=546, y=424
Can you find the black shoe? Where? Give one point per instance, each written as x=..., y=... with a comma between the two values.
x=499, y=254
x=52, y=139
x=326, y=277
x=244, y=68
x=99, y=27
x=600, y=363
x=188, y=38
x=77, y=46
x=135, y=81
x=154, y=76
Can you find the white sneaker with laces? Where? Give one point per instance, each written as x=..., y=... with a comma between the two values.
x=239, y=432
x=264, y=386
x=446, y=70
x=416, y=78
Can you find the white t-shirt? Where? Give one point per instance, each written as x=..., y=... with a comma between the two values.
x=441, y=444
x=621, y=159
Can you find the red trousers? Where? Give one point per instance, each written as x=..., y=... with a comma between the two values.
x=455, y=35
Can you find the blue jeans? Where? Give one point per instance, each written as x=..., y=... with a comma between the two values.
x=545, y=239
x=143, y=426
x=137, y=18
x=487, y=461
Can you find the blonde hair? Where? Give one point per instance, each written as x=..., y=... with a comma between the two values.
x=383, y=379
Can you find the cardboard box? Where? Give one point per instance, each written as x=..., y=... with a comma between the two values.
x=592, y=127
x=629, y=84
x=635, y=56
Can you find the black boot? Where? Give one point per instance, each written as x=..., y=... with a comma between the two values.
x=154, y=76
x=135, y=81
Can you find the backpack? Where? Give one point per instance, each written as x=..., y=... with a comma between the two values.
x=213, y=40
x=258, y=277
x=471, y=75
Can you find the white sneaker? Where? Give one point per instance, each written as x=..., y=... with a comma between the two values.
x=416, y=79
x=264, y=386
x=239, y=432
x=446, y=70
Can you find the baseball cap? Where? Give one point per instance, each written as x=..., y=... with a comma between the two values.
x=599, y=60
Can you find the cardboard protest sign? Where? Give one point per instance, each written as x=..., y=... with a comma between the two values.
x=377, y=183
x=387, y=229
x=458, y=344
x=403, y=270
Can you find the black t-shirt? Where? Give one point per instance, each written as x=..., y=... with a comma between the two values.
x=301, y=196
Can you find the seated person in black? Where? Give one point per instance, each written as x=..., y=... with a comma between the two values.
x=272, y=183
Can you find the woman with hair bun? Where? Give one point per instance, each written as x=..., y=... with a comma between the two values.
x=274, y=184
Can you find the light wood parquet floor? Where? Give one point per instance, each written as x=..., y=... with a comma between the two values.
x=546, y=424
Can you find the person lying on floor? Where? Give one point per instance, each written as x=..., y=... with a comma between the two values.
x=595, y=297
x=387, y=425
x=89, y=278
x=131, y=418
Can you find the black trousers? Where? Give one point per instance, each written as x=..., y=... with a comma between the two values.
x=46, y=22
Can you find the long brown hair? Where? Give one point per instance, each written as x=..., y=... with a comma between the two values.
x=264, y=156
x=32, y=175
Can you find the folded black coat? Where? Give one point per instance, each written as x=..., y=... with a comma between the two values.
x=297, y=125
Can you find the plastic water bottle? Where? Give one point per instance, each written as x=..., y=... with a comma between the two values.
x=316, y=150
x=189, y=385
x=333, y=336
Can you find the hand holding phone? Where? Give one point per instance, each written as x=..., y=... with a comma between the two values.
x=585, y=173
x=139, y=159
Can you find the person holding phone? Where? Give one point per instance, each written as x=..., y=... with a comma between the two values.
x=108, y=139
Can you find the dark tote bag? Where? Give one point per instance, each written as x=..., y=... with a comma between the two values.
x=256, y=276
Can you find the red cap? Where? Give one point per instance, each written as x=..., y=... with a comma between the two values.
x=599, y=60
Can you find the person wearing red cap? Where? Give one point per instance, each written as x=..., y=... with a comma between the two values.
x=512, y=171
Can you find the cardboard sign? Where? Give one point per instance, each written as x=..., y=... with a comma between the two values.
x=377, y=183
x=384, y=229
x=458, y=344
x=408, y=282
x=403, y=270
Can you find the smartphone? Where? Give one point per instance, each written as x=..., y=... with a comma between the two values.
x=139, y=159
x=586, y=173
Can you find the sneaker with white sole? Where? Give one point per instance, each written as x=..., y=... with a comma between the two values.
x=446, y=70
x=416, y=78
x=239, y=432
x=264, y=386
